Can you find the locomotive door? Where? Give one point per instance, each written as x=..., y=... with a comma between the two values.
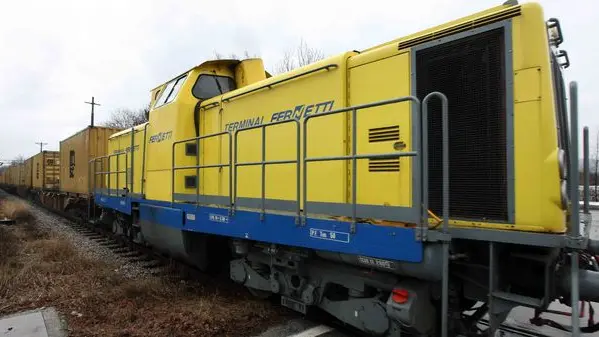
x=210, y=153
x=383, y=129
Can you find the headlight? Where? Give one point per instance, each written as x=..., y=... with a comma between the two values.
x=561, y=160
x=564, y=194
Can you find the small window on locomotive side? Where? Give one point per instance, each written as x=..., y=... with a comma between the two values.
x=170, y=91
x=208, y=86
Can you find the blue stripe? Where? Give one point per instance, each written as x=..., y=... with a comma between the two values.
x=396, y=243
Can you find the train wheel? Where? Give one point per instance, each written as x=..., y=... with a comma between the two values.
x=117, y=227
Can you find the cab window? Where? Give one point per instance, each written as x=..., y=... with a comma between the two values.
x=170, y=91
x=208, y=86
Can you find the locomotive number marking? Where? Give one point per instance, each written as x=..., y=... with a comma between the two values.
x=325, y=234
x=218, y=218
x=371, y=261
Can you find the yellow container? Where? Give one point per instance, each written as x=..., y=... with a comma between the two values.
x=46, y=170
x=25, y=173
x=75, y=154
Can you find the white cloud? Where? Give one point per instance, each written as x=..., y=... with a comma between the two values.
x=56, y=54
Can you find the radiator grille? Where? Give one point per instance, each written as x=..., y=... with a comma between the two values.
x=470, y=71
x=383, y=165
x=383, y=134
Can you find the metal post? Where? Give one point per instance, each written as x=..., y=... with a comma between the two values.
x=585, y=149
x=305, y=174
x=354, y=167
x=92, y=103
x=173, y=174
x=423, y=152
x=297, y=171
x=41, y=144
x=108, y=174
x=197, y=171
x=575, y=206
x=118, y=169
x=89, y=187
x=234, y=202
x=263, y=168
x=445, y=290
x=132, y=159
x=493, y=321
x=445, y=166
x=230, y=173
x=143, y=163
x=126, y=174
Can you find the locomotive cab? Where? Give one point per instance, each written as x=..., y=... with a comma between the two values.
x=175, y=113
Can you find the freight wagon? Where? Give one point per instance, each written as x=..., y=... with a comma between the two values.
x=46, y=178
x=74, y=180
x=395, y=187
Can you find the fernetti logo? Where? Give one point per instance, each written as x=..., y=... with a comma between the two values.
x=297, y=112
x=161, y=136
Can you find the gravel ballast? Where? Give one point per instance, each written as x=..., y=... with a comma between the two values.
x=86, y=246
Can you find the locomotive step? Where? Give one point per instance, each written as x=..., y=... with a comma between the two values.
x=519, y=299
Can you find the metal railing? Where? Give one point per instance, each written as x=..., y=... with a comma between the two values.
x=234, y=200
x=93, y=173
x=264, y=162
x=445, y=194
x=129, y=164
x=353, y=156
x=197, y=167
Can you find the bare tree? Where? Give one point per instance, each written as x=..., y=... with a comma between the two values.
x=307, y=55
x=19, y=159
x=233, y=56
x=126, y=118
x=287, y=63
x=301, y=56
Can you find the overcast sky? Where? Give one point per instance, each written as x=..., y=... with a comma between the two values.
x=57, y=54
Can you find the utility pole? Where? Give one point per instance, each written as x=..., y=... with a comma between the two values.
x=92, y=103
x=41, y=144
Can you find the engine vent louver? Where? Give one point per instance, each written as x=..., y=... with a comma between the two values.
x=383, y=134
x=383, y=165
x=471, y=73
x=479, y=22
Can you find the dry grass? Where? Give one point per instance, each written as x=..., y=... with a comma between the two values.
x=46, y=270
x=16, y=209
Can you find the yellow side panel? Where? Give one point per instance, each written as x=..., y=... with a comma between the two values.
x=307, y=95
x=383, y=182
x=537, y=188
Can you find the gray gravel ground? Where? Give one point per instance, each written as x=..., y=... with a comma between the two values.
x=86, y=246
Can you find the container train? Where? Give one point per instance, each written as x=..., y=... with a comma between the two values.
x=414, y=186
